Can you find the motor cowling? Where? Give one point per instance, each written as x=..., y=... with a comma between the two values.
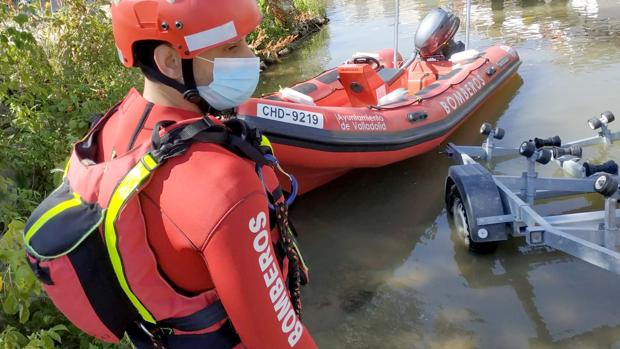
x=435, y=33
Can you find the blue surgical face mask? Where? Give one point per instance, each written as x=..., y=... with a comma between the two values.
x=234, y=81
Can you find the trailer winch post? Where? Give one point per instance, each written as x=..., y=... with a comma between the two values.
x=611, y=229
x=529, y=182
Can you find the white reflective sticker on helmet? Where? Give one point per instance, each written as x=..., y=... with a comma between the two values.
x=211, y=37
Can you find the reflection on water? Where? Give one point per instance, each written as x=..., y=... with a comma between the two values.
x=579, y=34
x=386, y=269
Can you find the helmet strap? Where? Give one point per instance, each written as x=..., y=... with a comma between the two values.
x=191, y=93
x=188, y=90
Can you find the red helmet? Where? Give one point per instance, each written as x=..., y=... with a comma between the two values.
x=190, y=26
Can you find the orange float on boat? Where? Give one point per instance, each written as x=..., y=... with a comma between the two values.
x=371, y=112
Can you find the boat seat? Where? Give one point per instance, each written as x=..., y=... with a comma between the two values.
x=305, y=88
x=449, y=75
x=388, y=74
x=329, y=77
x=427, y=89
x=313, y=90
x=273, y=98
x=424, y=73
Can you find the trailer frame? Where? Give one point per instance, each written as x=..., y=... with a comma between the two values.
x=591, y=236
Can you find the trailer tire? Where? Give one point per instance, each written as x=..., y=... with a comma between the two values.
x=457, y=212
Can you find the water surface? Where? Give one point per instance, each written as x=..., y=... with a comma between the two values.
x=386, y=268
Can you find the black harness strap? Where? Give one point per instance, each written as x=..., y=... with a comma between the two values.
x=176, y=141
x=156, y=140
x=244, y=148
x=225, y=337
x=204, y=318
x=143, y=337
x=275, y=195
x=190, y=132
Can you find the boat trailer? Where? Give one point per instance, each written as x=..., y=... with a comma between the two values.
x=487, y=208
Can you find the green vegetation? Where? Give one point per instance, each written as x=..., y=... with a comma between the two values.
x=312, y=7
x=285, y=22
x=57, y=71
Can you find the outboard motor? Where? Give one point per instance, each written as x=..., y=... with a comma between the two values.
x=435, y=34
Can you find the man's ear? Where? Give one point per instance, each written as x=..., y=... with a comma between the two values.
x=168, y=61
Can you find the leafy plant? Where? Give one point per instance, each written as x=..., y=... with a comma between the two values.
x=274, y=29
x=312, y=7
x=57, y=70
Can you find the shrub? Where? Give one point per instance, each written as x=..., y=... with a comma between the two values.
x=57, y=70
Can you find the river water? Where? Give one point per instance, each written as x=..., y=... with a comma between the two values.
x=387, y=270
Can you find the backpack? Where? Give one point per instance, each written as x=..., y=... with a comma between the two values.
x=75, y=249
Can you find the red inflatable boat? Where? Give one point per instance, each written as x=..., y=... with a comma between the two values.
x=367, y=113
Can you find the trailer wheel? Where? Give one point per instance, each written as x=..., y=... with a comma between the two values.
x=460, y=219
